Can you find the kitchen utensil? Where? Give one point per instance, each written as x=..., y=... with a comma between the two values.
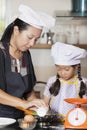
x=30, y=112
x=61, y=37
x=50, y=37
x=76, y=117
x=76, y=100
x=72, y=38
x=72, y=35
x=27, y=125
x=79, y=5
x=4, y=121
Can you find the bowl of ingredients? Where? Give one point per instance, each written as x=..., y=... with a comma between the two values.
x=28, y=122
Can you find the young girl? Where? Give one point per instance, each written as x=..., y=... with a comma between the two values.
x=68, y=82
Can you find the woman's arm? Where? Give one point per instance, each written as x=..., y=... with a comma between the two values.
x=31, y=96
x=7, y=99
x=37, y=101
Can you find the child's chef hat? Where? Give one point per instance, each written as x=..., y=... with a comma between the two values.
x=65, y=54
x=36, y=19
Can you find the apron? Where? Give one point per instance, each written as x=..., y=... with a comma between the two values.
x=16, y=85
x=68, y=89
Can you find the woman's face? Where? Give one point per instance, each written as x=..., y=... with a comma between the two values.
x=66, y=72
x=27, y=38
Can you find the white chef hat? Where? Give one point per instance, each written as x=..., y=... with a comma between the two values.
x=36, y=19
x=65, y=54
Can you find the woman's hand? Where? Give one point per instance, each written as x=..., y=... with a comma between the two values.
x=34, y=104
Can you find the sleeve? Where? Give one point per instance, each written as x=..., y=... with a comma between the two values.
x=48, y=85
x=2, y=71
x=85, y=80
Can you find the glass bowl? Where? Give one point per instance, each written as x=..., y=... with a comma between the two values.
x=27, y=126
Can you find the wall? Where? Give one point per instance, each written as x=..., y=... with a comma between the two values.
x=43, y=5
x=43, y=63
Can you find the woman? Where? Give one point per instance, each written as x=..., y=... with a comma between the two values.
x=68, y=83
x=17, y=77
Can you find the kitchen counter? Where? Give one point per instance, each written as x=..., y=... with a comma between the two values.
x=16, y=127
x=49, y=122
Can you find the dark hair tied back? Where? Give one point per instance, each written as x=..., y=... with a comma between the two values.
x=82, y=84
x=54, y=89
x=9, y=30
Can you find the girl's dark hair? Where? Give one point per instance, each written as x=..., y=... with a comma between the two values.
x=82, y=84
x=9, y=30
x=54, y=89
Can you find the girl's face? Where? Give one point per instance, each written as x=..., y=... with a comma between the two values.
x=66, y=72
x=25, y=39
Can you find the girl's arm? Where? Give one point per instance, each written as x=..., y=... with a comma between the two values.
x=46, y=100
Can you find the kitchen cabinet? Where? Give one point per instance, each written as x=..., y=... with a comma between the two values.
x=47, y=46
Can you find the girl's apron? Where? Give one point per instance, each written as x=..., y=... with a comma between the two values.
x=68, y=89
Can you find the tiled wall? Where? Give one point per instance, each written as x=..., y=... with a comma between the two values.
x=43, y=63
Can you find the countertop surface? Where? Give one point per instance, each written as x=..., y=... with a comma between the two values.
x=49, y=122
x=15, y=126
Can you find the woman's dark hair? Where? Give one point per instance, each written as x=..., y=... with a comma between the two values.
x=54, y=89
x=9, y=30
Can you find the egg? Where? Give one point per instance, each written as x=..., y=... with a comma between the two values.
x=24, y=125
x=29, y=118
x=41, y=111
